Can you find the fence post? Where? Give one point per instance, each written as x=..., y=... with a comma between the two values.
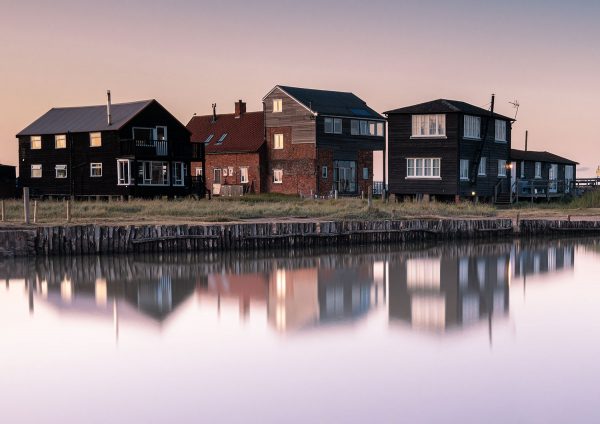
x=68, y=210
x=335, y=194
x=3, y=218
x=26, y=204
x=35, y=211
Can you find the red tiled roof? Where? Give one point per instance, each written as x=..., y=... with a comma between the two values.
x=245, y=133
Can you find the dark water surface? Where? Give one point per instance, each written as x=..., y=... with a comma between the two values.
x=467, y=333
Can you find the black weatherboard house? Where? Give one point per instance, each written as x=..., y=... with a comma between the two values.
x=128, y=149
x=8, y=181
x=449, y=149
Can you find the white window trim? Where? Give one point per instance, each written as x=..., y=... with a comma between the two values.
x=220, y=175
x=483, y=160
x=471, y=137
x=125, y=181
x=91, y=134
x=430, y=136
x=37, y=138
x=96, y=167
x=536, y=166
x=178, y=182
x=56, y=138
x=275, y=172
x=500, y=140
x=148, y=181
x=36, y=167
x=244, y=176
x=275, y=137
x=61, y=167
x=424, y=177
x=460, y=169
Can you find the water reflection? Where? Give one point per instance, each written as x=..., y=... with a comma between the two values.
x=431, y=289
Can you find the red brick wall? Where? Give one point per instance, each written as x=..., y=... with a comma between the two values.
x=298, y=162
x=365, y=160
x=325, y=158
x=235, y=160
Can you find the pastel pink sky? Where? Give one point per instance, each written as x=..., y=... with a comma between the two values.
x=189, y=54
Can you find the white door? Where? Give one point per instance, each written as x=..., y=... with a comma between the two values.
x=553, y=177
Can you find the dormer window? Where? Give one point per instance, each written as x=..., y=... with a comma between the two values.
x=429, y=125
x=500, y=130
x=472, y=127
x=210, y=137
x=277, y=105
x=221, y=139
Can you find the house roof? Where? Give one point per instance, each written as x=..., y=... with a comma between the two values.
x=533, y=156
x=84, y=118
x=245, y=134
x=445, y=106
x=326, y=102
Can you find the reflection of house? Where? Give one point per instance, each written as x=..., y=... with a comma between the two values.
x=543, y=259
x=438, y=293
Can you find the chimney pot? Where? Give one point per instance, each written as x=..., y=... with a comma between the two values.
x=108, y=105
x=240, y=108
x=214, y=107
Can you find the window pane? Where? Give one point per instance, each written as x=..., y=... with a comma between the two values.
x=328, y=125
x=337, y=126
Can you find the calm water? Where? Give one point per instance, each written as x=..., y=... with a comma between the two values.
x=459, y=333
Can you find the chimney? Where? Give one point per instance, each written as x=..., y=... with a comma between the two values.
x=214, y=106
x=108, y=116
x=526, y=137
x=240, y=108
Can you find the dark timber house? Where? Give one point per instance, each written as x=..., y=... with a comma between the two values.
x=449, y=149
x=320, y=141
x=235, y=150
x=119, y=150
x=8, y=182
x=542, y=174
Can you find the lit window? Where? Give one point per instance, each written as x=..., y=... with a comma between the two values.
x=464, y=169
x=95, y=170
x=278, y=176
x=221, y=139
x=60, y=171
x=501, y=168
x=210, y=137
x=277, y=105
x=95, y=139
x=199, y=172
x=472, y=127
x=278, y=141
x=244, y=175
x=482, y=167
x=538, y=170
x=380, y=129
x=36, y=171
x=123, y=172
x=500, y=130
x=60, y=141
x=324, y=172
x=36, y=142
x=429, y=125
x=423, y=167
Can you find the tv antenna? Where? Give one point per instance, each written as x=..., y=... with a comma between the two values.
x=516, y=105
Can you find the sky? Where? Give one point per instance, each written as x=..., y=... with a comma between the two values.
x=189, y=54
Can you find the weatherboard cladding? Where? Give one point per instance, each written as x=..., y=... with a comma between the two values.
x=445, y=106
x=84, y=118
x=522, y=155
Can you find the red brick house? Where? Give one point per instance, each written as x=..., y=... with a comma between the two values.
x=235, y=149
x=319, y=141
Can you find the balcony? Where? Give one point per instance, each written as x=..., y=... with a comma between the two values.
x=162, y=149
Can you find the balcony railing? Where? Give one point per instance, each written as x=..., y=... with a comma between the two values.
x=162, y=149
x=542, y=188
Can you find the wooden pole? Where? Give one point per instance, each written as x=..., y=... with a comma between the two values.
x=68, y=210
x=2, y=207
x=35, y=211
x=26, y=204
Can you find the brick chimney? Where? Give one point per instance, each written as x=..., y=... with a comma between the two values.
x=240, y=108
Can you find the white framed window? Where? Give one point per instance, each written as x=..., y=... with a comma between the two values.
x=472, y=127
x=278, y=176
x=60, y=141
x=153, y=172
x=522, y=169
x=333, y=126
x=210, y=137
x=501, y=168
x=278, y=141
x=429, y=125
x=277, y=105
x=60, y=171
x=482, y=172
x=225, y=171
x=243, y=174
x=365, y=173
x=217, y=175
x=221, y=139
x=380, y=129
x=95, y=169
x=199, y=171
x=324, y=172
x=178, y=171
x=500, y=130
x=423, y=168
x=230, y=171
x=354, y=127
x=123, y=172
x=36, y=142
x=538, y=170
x=36, y=171
x=464, y=169
x=95, y=139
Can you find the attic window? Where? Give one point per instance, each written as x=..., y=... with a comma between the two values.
x=220, y=141
x=210, y=137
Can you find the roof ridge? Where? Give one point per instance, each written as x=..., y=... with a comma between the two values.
x=103, y=105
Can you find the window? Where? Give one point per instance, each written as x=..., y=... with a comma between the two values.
x=501, y=168
x=538, y=170
x=333, y=126
x=423, y=167
x=243, y=174
x=500, y=130
x=429, y=125
x=523, y=169
x=60, y=171
x=369, y=128
x=354, y=127
x=123, y=172
x=95, y=169
x=178, y=171
x=221, y=139
x=472, y=127
x=60, y=141
x=482, y=167
x=217, y=176
x=278, y=141
x=380, y=129
x=36, y=142
x=95, y=139
x=365, y=173
x=154, y=172
x=199, y=172
x=277, y=105
x=464, y=169
x=210, y=137
x=36, y=171
x=324, y=172
x=278, y=176
x=364, y=128
x=230, y=171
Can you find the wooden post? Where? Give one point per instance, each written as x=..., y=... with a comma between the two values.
x=68, y=210
x=35, y=211
x=370, y=196
x=2, y=207
x=26, y=204
x=335, y=194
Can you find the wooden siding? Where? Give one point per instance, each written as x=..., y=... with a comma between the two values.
x=293, y=115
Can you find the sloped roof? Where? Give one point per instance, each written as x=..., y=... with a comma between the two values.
x=445, y=106
x=84, y=118
x=245, y=133
x=539, y=157
x=336, y=103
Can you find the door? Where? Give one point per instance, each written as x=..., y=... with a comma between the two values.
x=553, y=177
x=344, y=173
